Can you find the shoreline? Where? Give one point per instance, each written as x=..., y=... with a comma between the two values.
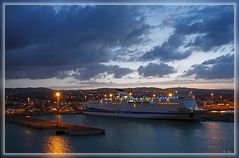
x=220, y=116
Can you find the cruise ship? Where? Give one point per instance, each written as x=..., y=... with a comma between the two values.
x=162, y=107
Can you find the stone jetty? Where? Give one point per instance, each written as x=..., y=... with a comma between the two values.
x=60, y=127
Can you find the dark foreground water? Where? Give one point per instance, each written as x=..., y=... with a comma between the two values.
x=125, y=135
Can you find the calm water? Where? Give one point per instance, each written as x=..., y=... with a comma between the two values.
x=125, y=135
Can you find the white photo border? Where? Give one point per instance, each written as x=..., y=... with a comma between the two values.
x=119, y=154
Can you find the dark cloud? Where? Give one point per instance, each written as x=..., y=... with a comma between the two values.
x=118, y=72
x=42, y=43
x=73, y=38
x=96, y=69
x=35, y=72
x=104, y=25
x=168, y=50
x=211, y=26
x=86, y=72
x=218, y=68
x=216, y=29
x=155, y=70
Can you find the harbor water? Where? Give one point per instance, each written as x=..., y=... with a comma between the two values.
x=124, y=135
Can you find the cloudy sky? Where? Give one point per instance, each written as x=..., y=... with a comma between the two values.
x=72, y=47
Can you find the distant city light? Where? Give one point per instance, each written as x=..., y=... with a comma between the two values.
x=170, y=94
x=111, y=95
x=54, y=109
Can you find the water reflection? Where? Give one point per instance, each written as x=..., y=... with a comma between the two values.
x=215, y=134
x=58, y=117
x=27, y=131
x=124, y=135
x=57, y=144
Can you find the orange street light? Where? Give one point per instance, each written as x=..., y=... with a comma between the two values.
x=58, y=94
x=170, y=94
x=111, y=95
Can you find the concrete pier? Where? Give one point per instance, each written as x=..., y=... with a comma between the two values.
x=219, y=116
x=60, y=127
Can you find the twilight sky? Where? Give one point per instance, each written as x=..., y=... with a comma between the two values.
x=73, y=47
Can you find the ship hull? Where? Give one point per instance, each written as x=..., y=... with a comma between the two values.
x=164, y=116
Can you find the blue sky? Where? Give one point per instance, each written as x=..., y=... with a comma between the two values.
x=72, y=47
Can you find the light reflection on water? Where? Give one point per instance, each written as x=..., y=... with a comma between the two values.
x=57, y=144
x=216, y=135
x=124, y=135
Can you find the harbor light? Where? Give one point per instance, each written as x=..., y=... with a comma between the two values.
x=212, y=96
x=58, y=94
x=221, y=97
x=170, y=94
x=28, y=101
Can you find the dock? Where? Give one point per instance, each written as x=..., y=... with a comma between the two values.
x=219, y=116
x=58, y=126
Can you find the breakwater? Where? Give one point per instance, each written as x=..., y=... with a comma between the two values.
x=59, y=126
